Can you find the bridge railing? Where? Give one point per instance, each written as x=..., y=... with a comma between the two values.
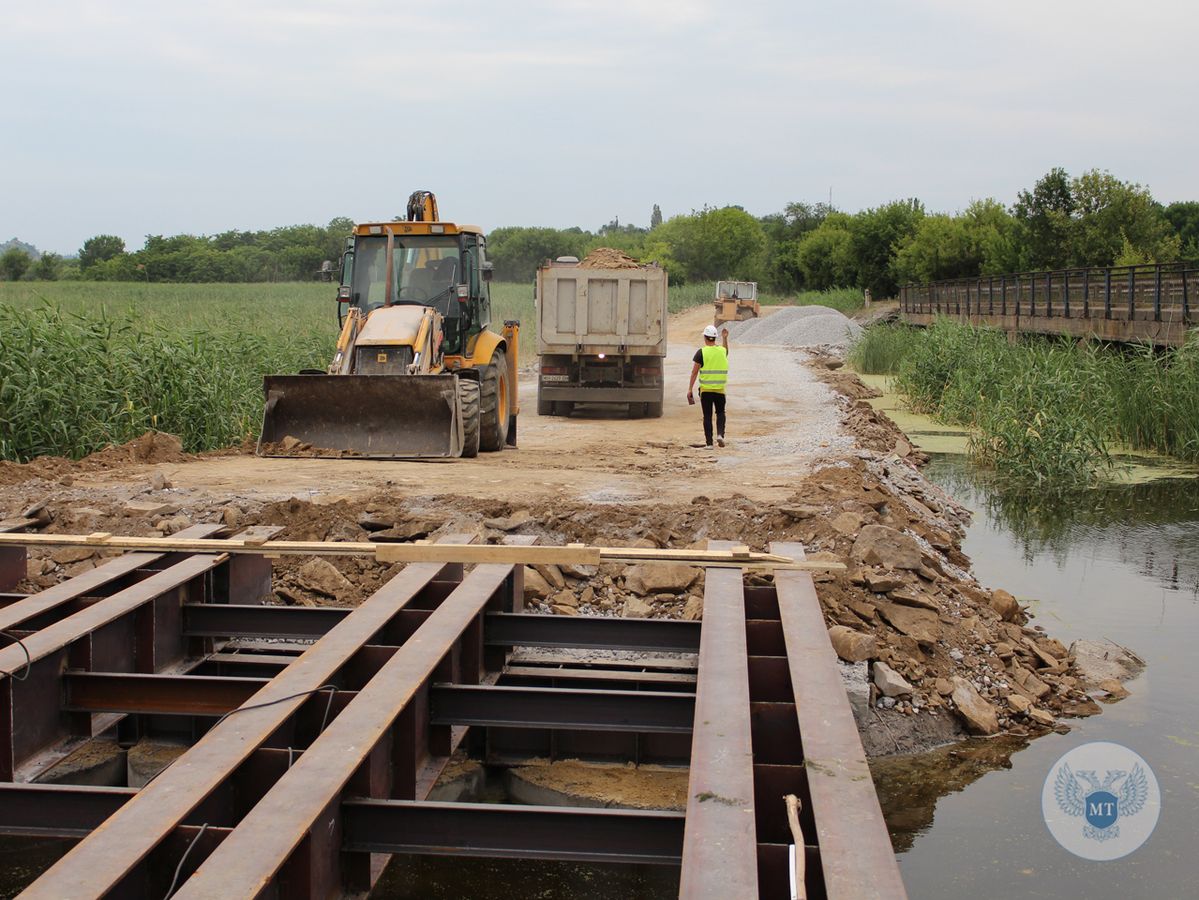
x=1161, y=292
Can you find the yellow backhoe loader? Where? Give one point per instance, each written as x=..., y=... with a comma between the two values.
x=417, y=372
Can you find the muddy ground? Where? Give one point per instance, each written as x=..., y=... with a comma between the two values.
x=808, y=460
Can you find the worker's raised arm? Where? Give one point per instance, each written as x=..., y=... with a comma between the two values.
x=724, y=339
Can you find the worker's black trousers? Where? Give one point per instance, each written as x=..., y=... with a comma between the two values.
x=708, y=401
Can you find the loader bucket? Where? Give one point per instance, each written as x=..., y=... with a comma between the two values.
x=372, y=416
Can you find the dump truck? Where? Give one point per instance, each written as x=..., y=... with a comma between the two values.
x=601, y=335
x=736, y=301
x=418, y=372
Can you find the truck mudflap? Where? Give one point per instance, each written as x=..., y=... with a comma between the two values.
x=370, y=416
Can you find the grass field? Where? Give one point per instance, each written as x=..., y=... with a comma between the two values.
x=1048, y=411
x=87, y=364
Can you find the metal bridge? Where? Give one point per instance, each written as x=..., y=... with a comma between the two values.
x=315, y=735
x=1152, y=304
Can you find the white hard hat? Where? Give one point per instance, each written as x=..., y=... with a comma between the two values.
x=710, y=332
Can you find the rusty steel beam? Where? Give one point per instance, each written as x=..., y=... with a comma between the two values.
x=113, y=858
x=291, y=836
x=638, y=677
x=57, y=810
x=132, y=628
x=235, y=620
x=593, y=632
x=190, y=695
x=720, y=852
x=855, y=848
x=582, y=710
x=504, y=830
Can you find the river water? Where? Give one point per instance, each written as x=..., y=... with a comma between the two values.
x=1120, y=562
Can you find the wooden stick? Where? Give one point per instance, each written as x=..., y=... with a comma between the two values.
x=575, y=554
x=801, y=890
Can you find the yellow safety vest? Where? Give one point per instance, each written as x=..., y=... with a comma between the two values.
x=714, y=371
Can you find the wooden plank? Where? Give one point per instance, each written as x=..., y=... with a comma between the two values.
x=720, y=848
x=574, y=554
x=855, y=848
x=87, y=583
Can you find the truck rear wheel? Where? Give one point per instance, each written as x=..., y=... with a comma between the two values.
x=494, y=403
x=544, y=407
x=653, y=410
x=468, y=397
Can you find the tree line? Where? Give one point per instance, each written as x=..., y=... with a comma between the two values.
x=1093, y=219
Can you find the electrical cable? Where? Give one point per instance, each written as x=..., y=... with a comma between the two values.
x=183, y=859
x=332, y=688
x=28, y=659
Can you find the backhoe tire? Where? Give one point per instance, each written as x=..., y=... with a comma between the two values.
x=495, y=400
x=468, y=396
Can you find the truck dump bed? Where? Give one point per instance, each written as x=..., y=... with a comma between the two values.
x=589, y=311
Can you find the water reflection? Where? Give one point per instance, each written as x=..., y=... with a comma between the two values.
x=1121, y=562
x=1148, y=526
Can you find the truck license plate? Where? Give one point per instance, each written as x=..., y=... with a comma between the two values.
x=555, y=378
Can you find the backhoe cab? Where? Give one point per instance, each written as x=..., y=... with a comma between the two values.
x=417, y=371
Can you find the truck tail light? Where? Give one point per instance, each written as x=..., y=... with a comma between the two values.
x=647, y=370
x=553, y=370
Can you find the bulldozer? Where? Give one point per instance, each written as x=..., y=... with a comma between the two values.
x=417, y=372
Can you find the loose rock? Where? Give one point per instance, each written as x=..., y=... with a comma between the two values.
x=322, y=577
x=879, y=545
x=851, y=645
x=653, y=579
x=889, y=682
x=978, y=714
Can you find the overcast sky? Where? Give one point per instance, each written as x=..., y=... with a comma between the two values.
x=139, y=118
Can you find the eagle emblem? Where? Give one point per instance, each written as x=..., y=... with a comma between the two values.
x=1101, y=804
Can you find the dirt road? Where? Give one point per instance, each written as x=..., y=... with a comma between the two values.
x=781, y=422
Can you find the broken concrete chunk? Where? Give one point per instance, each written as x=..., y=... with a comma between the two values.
x=1097, y=661
x=693, y=610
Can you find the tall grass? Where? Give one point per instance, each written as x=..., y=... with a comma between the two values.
x=71, y=383
x=1047, y=411
x=881, y=348
x=87, y=364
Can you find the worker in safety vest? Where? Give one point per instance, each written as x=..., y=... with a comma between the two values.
x=712, y=369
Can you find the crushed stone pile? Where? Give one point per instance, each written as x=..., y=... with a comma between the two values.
x=798, y=326
x=608, y=258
